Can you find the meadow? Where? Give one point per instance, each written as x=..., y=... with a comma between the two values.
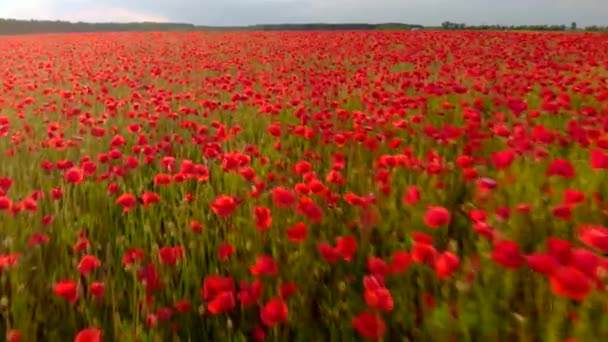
x=318, y=186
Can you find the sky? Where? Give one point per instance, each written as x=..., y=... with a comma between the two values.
x=248, y=12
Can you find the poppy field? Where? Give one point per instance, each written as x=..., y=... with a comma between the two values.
x=326, y=186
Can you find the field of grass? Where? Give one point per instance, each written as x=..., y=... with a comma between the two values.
x=326, y=186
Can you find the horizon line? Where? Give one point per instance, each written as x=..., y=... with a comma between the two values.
x=275, y=24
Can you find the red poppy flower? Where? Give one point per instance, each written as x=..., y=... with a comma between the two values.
x=412, y=195
x=223, y=205
x=369, y=326
x=221, y=303
x=250, y=293
x=594, y=236
x=89, y=168
x=297, y=233
x=47, y=220
x=288, y=289
x=29, y=204
x=436, y=217
x=303, y=167
x=196, y=226
x=347, y=247
x=445, y=265
x=424, y=253
x=248, y=173
x=38, y=239
x=225, y=251
x=127, y=201
x=164, y=314
x=263, y=218
x=74, y=175
x=5, y=203
x=283, y=197
x=400, y=262
x=599, y=159
x=258, y=334
x=170, y=255
x=87, y=264
x=572, y=196
x=56, y=193
x=274, y=130
x=560, y=249
x=542, y=263
x=89, y=335
x=377, y=267
x=8, y=261
x=113, y=189
x=132, y=256
x=13, y=336
x=149, y=198
x=274, y=312
x=97, y=289
x=162, y=179
x=67, y=289
x=562, y=211
x=310, y=209
x=507, y=254
x=329, y=253
x=182, y=306
x=570, y=283
x=376, y=295
x=264, y=266
x=562, y=168
x=503, y=159
x=215, y=284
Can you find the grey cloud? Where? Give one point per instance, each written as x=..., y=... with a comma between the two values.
x=428, y=12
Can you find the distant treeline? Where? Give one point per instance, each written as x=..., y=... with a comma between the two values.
x=453, y=26
x=334, y=27
x=13, y=26
x=447, y=25
x=594, y=28
x=520, y=28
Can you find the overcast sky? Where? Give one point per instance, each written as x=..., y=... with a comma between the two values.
x=246, y=12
